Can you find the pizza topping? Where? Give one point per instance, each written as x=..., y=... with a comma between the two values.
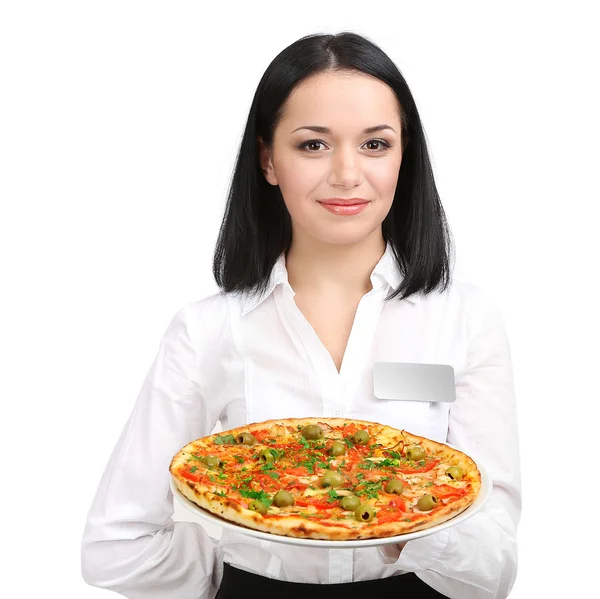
x=312, y=432
x=415, y=453
x=361, y=437
x=338, y=475
x=454, y=472
x=283, y=498
x=225, y=440
x=338, y=448
x=364, y=512
x=427, y=502
x=246, y=439
x=395, y=486
x=331, y=478
x=258, y=506
x=350, y=503
x=266, y=456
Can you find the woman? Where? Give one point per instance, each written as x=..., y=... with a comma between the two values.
x=333, y=255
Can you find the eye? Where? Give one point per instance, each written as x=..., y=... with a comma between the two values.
x=310, y=142
x=309, y=145
x=381, y=142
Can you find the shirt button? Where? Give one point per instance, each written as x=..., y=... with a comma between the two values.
x=337, y=413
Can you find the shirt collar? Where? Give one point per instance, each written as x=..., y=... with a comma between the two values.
x=386, y=271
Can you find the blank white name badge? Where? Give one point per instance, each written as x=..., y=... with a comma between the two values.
x=406, y=381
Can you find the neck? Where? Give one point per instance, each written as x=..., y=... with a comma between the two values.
x=317, y=267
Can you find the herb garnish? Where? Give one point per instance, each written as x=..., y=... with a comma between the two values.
x=260, y=495
x=225, y=440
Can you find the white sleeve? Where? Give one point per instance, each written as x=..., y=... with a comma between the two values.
x=477, y=559
x=131, y=545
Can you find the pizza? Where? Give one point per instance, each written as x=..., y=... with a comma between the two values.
x=326, y=478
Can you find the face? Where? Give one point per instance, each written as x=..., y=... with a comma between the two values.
x=344, y=161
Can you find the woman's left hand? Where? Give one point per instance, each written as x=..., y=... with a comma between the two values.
x=392, y=551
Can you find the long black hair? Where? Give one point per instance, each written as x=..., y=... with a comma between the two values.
x=257, y=227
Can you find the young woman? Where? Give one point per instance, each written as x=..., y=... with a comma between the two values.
x=333, y=254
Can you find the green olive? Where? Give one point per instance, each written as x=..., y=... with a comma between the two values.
x=364, y=512
x=361, y=437
x=258, y=506
x=312, y=432
x=331, y=478
x=213, y=462
x=415, y=453
x=349, y=503
x=395, y=486
x=454, y=472
x=338, y=448
x=266, y=456
x=427, y=502
x=283, y=498
x=245, y=439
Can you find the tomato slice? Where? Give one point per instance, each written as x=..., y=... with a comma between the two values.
x=299, y=471
x=446, y=491
x=189, y=476
x=406, y=469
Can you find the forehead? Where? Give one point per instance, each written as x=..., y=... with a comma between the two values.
x=341, y=101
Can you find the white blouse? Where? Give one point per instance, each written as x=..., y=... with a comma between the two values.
x=237, y=359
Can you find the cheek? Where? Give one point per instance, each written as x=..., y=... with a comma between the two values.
x=297, y=181
x=384, y=178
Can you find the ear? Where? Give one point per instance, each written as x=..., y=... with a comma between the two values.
x=266, y=163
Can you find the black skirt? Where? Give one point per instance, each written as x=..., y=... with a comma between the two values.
x=238, y=583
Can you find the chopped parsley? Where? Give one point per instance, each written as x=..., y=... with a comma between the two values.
x=225, y=440
x=333, y=496
x=193, y=469
x=260, y=495
x=239, y=459
x=367, y=465
x=369, y=488
x=267, y=466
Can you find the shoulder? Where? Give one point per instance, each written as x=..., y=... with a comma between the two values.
x=464, y=303
x=461, y=294
x=207, y=316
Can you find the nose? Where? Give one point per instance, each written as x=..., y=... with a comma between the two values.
x=346, y=170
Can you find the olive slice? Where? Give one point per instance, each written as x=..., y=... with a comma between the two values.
x=364, y=513
x=395, y=486
x=258, y=506
x=266, y=456
x=361, y=437
x=331, y=478
x=349, y=503
x=455, y=472
x=245, y=439
x=283, y=498
x=338, y=448
x=312, y=432
x=213, y=462
x=415, y=453
x=427, y=502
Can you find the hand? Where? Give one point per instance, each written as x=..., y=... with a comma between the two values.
x=392, y=551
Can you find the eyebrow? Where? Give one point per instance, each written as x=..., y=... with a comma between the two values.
x=319, y=129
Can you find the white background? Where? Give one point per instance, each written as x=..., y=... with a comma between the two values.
x=119, y=124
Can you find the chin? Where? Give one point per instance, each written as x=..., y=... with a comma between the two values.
x=341, y=237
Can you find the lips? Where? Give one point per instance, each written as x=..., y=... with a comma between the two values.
x=348, y=208
x=343, y=202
